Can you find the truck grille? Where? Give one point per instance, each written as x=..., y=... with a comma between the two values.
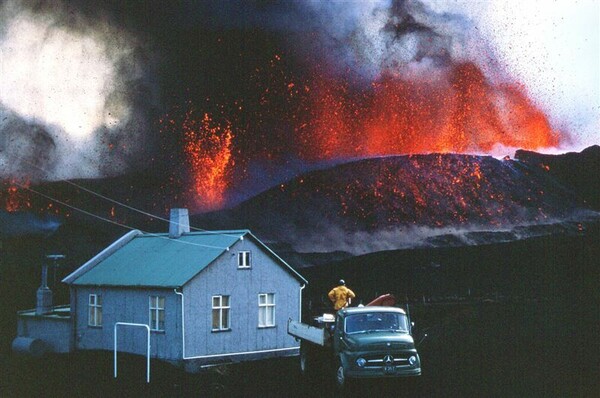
x=383, y=360
x=388, y=346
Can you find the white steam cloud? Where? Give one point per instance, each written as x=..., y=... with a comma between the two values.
x=69, y=90
x=57, y=78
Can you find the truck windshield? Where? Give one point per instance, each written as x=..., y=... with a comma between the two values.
x=376, y=322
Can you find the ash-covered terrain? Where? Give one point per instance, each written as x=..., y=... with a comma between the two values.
x=359, y=207
x=414, y=201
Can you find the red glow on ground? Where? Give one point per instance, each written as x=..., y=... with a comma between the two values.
x=460, y=112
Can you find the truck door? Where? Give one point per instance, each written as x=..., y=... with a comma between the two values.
x=338, y=332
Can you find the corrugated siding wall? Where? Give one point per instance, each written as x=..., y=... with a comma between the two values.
x=132, y=306
x=221, y=278
x=243, y=286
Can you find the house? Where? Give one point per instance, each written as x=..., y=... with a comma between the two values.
x=189, y=298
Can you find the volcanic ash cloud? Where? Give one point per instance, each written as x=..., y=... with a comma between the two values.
x=548, y=51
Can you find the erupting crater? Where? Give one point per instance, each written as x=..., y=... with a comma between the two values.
x=402, y=201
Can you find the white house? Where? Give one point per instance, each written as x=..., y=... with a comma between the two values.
x=201, y=297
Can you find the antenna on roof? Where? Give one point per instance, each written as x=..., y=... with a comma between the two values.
x=55, y=258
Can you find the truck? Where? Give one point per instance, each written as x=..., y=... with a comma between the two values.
x=372, y=341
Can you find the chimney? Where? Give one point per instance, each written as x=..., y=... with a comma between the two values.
x=180, y=223
x=44, y=294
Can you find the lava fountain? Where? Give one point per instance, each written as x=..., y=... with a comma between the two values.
x=461, y=112
x=207, y=151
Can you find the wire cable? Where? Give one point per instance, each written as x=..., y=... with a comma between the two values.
x=118, y=223
x=126, y=205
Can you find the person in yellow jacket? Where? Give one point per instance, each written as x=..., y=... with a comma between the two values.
x=340, y=296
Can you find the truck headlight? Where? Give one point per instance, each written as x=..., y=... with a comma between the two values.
x=412, y=360
x=361, y=362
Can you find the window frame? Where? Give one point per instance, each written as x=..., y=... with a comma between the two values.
x=265, y=308
x=244, y=259
x=95, y=309
x=155, y=309
x=221, y=309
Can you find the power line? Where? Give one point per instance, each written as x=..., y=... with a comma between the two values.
x=118, y=223
x=126, y=205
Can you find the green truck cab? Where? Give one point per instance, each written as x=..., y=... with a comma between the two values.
x=359, y=342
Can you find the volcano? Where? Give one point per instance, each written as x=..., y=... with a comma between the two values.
x=362, y=206
x=409, y=201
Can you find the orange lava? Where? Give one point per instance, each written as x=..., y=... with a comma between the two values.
x=208, y=149
x=460, y=112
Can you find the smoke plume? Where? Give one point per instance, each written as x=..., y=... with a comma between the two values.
x=399, y=38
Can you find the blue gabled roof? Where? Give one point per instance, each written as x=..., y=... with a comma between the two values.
x=155, y=260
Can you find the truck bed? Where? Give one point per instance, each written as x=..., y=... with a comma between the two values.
x=319, y=336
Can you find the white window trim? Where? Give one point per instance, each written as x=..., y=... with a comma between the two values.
x=97, y=308
x=241, y=259
x=155, y=326
x=267, y=307
x=220, y=308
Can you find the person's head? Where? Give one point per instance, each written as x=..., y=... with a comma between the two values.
x=342, y=282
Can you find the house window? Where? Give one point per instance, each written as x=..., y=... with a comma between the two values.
x=95, y=310
x=244, y=260
x=266, y=310
x=220, y=313
x=157, y=313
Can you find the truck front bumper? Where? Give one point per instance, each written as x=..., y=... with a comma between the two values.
x=372, y=373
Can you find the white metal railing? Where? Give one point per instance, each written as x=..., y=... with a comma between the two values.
x=147, y=346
